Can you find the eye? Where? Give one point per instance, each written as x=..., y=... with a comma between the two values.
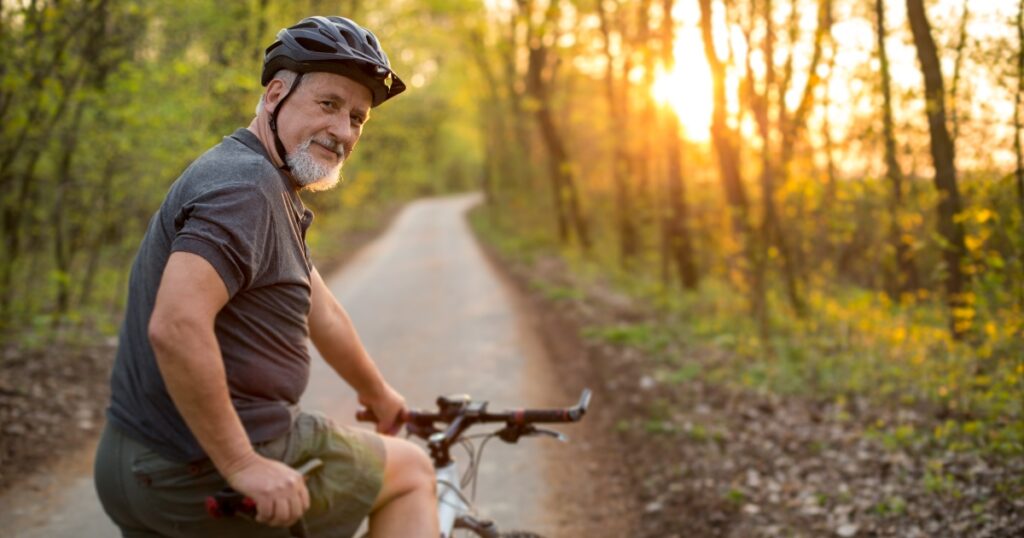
x=357, y=120
x=329, y=106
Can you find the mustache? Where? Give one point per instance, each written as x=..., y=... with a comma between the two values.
x=329, y=143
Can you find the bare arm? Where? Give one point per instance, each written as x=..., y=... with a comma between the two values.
x=181, y=331
x=335, y=337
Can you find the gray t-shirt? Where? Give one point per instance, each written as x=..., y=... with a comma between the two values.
x=237, y=211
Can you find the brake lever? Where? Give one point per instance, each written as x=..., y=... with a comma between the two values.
x=512, y=433
x=558, y=436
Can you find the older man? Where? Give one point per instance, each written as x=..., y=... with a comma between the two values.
x=212, y=357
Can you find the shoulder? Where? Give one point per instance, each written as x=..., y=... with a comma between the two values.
x=229, y=167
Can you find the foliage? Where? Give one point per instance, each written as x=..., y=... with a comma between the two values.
x=803, y=283
x=104, y=103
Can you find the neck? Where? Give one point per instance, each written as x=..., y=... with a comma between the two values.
x=260, y=127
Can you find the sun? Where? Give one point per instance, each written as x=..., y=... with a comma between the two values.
x=687, y=87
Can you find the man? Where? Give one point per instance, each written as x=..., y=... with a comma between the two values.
x=212, y=356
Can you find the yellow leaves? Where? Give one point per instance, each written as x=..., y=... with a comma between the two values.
x=354, y=192
x=531, y=104
x=974, y=242
x=898, y=335
x=911, y=219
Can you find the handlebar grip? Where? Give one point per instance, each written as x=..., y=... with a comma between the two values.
x=367, y=415
x=228, y=502
x=543, y=415
x=572, y=414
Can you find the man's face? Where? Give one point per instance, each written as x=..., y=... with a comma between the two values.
x=320, y=125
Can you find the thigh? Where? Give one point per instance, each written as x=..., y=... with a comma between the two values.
x=343, y=491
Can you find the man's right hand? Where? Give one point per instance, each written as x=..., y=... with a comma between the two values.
x=279, y=491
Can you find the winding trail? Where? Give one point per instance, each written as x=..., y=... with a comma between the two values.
x=438, y=319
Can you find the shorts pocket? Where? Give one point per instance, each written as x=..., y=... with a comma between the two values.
x=153, y=470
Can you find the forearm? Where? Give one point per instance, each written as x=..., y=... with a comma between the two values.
x=193, y=371
x=336, y=339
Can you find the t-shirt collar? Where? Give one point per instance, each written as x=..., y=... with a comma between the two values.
x=249, y=139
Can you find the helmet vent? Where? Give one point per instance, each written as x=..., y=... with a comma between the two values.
x=317, y=46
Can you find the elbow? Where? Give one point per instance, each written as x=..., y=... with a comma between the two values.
x=167, y=331
x=158, y=333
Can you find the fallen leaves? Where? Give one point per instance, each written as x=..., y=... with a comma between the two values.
x=50, y=400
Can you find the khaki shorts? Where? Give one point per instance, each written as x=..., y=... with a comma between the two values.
x=148, y=495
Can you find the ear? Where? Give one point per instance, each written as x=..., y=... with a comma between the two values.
x=272, y=95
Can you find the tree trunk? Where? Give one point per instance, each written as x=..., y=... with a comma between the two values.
x=830, y=185
x=949, y=205
x=724, y=141
x=954, y=90
x=560, y=167
x=677, y=225
x=1016, y=109
x=495, y=130
x=902, y=276
x=63, y=245
x=617, y=108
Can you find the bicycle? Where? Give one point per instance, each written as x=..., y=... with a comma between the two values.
x=460, y=413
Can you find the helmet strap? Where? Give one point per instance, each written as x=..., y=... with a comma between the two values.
x=278, y=145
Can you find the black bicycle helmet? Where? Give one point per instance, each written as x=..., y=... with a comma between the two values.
x=335, y=45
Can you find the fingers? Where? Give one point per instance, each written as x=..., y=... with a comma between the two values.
x=285, y=510
x=279, y=491
x=386, y=404
x=392, y=427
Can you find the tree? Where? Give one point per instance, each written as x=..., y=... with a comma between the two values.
x=724, y=140
x=1016, y=108
x=539, y=80
x=676, y=227
x=903, y=276
x=950, y=229
x=618, y=104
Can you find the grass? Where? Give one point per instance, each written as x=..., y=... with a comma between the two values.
x=853, y=343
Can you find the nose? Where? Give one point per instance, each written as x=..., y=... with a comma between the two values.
x=341, y=129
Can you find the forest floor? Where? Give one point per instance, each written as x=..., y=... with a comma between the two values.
x=703, y=458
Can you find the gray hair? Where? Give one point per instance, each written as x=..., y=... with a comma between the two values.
x=284, y=75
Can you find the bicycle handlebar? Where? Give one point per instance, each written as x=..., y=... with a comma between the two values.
x=460, y=413
x=453, y=407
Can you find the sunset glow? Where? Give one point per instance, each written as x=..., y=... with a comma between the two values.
x=687, y=87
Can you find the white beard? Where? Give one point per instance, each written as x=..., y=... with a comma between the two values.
x=311, y=174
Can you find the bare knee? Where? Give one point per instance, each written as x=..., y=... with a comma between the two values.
x=414, y=465
x=407, y=469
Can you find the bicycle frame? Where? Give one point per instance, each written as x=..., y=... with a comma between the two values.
x=451, y=503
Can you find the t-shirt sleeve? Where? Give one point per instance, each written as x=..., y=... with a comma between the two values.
x=230, y=228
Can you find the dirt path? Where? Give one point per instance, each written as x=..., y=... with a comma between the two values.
x=438, y=319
